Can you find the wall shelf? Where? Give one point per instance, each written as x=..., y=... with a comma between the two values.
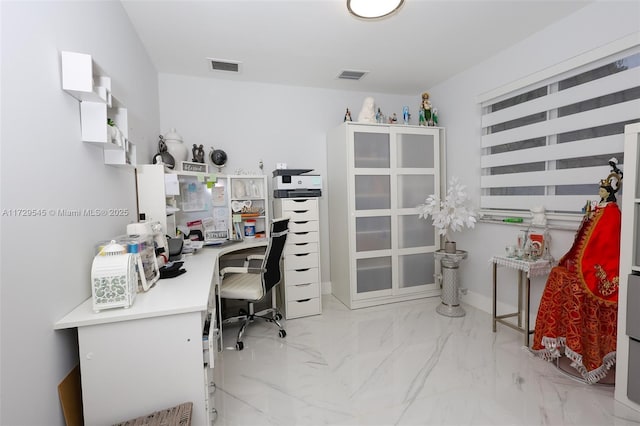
x=85, y=81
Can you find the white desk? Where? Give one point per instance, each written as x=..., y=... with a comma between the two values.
x=526, y=269
x=149, y=356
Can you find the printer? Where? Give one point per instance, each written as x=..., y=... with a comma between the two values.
x=293, y=183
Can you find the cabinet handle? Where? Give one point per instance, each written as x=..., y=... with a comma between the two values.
x=301, y=270
x=302, y=300
x=301, y=222
x=302, y=285
x=301, y=233
x=300, y=211
x=301, y=244
x=302, y=254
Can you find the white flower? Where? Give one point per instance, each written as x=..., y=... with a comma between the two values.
x=453, y=213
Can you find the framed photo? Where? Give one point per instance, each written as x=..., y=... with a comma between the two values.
x=537, y=245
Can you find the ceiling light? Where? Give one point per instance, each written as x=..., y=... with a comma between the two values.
x=372, y=9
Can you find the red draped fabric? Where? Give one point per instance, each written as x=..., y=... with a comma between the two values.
x=578, y=310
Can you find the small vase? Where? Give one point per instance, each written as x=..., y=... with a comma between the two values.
x=450, y=247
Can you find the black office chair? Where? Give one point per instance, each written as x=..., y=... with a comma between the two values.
x=252, y=285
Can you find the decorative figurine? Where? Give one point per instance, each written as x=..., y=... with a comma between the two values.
x=393, y=119
x=379, y=116
x=425, y=110
x=163, y=156
x=218, y=157
x=198, y=153
x=347, y=115
x=368, y=111
x=434, y=116
x=405, y=115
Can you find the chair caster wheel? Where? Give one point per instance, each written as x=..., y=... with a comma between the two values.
x=278, y=317
x=282, y=333
x=239, y=346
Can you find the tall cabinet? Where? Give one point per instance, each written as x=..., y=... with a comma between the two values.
x=381, y=252
x=299, y=295
x=628, y=350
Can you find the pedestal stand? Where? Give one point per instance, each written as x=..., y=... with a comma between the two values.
x=450, y=263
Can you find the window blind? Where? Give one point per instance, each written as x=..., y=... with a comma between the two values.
x=548, y=142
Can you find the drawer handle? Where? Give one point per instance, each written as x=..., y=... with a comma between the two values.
x=301, y=270
x=302, y=254
x=301, y=244
x=302, y=285
x=302, y=300
x=299, y=201
x=300, y=211
x=301, y=222
x=301, y=233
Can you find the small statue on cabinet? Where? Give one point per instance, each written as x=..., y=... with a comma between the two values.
x=393, y=119
x=347, y=115
x=368, y=111
x=379, y=116
x=425, y=110
x=198, y=153
x=405, y=115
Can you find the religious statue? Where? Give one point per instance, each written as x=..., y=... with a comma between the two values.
x=368, y=111
x=578, y=311
x=425, y=110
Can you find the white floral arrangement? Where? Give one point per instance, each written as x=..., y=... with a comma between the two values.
x=451, y=214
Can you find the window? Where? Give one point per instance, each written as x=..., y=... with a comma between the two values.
x=547, y=141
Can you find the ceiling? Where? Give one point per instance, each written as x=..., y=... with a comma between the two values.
x=309, y=42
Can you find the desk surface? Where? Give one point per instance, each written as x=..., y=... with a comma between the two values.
x=188, y=292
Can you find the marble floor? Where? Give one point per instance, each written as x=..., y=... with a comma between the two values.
x=399, y=364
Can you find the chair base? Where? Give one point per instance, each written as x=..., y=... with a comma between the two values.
x=272, y=315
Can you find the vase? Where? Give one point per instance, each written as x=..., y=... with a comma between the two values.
x=449, y=246
x=176, y=147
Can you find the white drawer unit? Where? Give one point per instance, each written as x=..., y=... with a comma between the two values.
x=299, y=295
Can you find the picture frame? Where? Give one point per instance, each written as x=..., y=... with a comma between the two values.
x=189, y=166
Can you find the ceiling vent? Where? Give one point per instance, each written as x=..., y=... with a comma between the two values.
x=352, y=74
x=224, y=65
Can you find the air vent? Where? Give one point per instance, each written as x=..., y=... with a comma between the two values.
x=224, y=65
x=352, y=74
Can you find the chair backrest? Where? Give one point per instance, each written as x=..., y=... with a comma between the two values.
x=271, y=264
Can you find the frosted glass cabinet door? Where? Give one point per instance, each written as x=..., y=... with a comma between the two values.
x=373, y=233
x=372, y=192
x=415, y=151
x=415, y=232
x=414, y=189
x=373, y=274
x=371, y=150
x=416, y=269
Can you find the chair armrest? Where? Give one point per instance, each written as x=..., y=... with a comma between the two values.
x=234, y=270
x=240, y=270
x=255, y=257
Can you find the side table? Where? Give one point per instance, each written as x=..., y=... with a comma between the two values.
x=526, y=269
x=450, y=263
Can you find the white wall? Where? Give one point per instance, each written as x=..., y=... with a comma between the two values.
x=591, y=27
x=46, y=261
x=272, y=123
